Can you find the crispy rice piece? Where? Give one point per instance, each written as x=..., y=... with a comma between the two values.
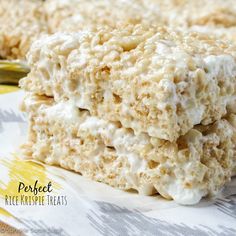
x=198, y=164
x=22, y=21
x=152, y=80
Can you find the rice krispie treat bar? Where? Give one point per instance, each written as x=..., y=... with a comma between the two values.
x=213, y=17
x=22, y=21
x=198, y=164
x=152, y=80
x=74, y=15
x=216, y=13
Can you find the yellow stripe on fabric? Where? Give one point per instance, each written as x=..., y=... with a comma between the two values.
x=8, y=89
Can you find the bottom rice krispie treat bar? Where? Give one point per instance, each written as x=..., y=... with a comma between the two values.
x=198, y=164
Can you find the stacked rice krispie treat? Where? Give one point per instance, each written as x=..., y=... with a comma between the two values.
x=136, y=107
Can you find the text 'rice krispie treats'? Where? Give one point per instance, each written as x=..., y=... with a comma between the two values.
x=152, y=80
x=21, y=22
x=198, y=164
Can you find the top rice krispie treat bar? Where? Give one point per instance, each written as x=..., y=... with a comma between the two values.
x=21, y=23
x=152, y=80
